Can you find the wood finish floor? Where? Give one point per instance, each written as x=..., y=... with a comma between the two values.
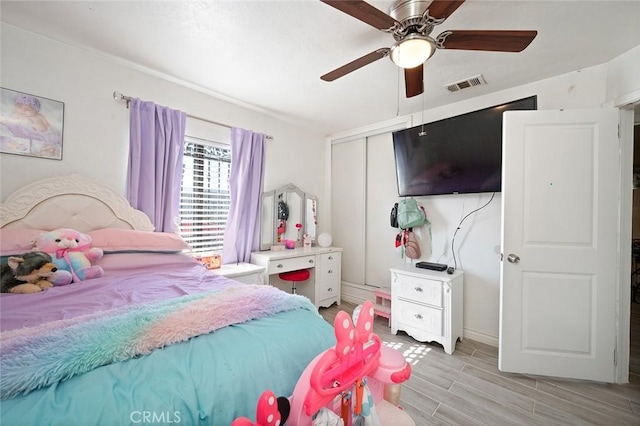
x=466, y=388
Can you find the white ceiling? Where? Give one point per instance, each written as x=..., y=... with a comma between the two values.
x=270, y=54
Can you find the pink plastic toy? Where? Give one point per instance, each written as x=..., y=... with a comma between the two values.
x=357, y=355
x=267, y=413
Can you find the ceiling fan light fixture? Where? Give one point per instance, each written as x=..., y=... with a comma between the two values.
x=412, y=51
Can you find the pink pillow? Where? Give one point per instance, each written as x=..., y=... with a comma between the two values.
x=17, y=240
x=128, y=240
x=127, y=263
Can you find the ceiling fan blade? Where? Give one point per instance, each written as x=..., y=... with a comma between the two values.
x=495, y=41
x=363, y=11
x=442, y=9
x=413, y=81
x=354, y=65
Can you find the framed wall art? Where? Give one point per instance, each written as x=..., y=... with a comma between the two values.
x=30, y=125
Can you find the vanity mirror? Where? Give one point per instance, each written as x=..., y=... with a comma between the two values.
x=268, y=220
x=282, y=210
x=311, y=216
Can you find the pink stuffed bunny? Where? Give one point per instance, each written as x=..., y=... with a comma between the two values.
x=71, y=251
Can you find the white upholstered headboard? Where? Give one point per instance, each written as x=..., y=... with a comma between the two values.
x=71, y=201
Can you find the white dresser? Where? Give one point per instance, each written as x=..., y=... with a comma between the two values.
x=324, y=264
x=427, y=305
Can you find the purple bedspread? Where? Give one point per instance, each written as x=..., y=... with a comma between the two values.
x=124, y=282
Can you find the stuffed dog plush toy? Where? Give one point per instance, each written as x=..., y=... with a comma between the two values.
x=27, y=273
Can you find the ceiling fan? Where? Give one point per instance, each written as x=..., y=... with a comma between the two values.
x=411, y=23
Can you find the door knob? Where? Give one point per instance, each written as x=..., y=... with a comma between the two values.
x=513, y=258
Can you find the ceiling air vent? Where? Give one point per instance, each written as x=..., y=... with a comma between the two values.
x=464, y=84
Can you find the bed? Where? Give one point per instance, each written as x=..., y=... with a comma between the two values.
x=157, y=339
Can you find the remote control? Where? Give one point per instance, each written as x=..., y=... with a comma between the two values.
x=432, y=266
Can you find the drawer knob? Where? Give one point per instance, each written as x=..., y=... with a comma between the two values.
x=329, y=271
x=418, y=316
x=329, y=289
x=280, y=265
x=419, y=289
x=310, y=260
x=330, y=257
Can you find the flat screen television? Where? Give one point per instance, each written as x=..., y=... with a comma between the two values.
x=456, y=155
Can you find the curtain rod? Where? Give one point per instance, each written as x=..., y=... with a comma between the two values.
x=120, y=97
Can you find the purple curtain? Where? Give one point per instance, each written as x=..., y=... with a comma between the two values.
x=242, y=235
x=156, y=147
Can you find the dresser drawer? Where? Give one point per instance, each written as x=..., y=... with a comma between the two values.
x=277, y=266
x=329, y=266
x=426, y=319
x=326, y=289
x=330, y=259
x=419, y=289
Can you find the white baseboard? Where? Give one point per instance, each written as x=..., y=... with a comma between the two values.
x=354, y=300
x=481, y=337
x=356, y=293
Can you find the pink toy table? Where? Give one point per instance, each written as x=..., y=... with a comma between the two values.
x=382, y=308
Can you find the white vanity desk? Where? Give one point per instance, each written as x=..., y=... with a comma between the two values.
x=324, y=264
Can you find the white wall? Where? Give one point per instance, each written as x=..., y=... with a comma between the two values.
x=96, y=127
x=623, y=78
x=477, y=243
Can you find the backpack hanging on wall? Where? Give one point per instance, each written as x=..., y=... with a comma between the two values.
x=410, y=214
x=408, y=244
x=411, y=245
x=393, y=217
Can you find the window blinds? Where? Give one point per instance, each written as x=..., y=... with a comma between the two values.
x=205, y=198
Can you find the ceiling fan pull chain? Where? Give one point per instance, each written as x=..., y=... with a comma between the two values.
x=398, y=87
x=422, y=132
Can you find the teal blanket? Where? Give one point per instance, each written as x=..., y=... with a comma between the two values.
x=37, y=357
x=208, y=380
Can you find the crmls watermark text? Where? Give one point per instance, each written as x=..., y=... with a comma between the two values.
x=163, y=417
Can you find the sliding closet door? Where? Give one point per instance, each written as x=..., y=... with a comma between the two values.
x=381, y=193
x=347, y=206
x=363, y=190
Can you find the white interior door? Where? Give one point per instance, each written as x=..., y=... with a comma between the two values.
x=560, y=209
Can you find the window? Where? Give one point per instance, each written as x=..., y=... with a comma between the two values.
x=205, y=197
